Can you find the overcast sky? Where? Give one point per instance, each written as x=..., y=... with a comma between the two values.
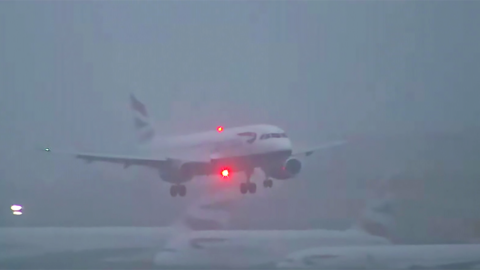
x=319, y=69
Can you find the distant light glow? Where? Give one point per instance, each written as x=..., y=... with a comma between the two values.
x=225, y=173
x=17, y=213
x=47, y=149
x=16, y=207
x=219, y=128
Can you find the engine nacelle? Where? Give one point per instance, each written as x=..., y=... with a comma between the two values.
x=289, y=169
x=177, y=172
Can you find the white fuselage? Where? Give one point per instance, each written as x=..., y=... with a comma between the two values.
x=231, y=142
x=386, y=257
x=252, y=248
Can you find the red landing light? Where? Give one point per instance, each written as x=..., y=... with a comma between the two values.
x=225, y=173
x=219, y=129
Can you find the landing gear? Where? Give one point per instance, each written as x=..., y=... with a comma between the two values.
x=248, y=186
x=268, y=183
x=179, y=190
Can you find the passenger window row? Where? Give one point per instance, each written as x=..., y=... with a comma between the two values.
x=273, y=135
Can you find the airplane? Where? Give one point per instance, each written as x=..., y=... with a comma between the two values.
x=223, y=151
x=262, y=249
x=450, y=256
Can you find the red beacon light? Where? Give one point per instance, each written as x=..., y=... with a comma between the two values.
x=225, y=173
x=219, y=129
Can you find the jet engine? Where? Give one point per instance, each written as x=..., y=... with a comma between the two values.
x=287, y=170
x=177, y=172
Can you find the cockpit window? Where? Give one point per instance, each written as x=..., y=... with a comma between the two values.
x=273, y=135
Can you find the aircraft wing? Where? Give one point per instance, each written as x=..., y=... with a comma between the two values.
x=307, y=151
x=126, y=160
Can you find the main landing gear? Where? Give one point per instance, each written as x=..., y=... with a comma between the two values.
x=180, y=190
x=248, y=186
x=267, y=183
x=252, y=187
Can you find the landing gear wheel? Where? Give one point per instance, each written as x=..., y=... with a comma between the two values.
x=268, y=183
x=182, y=190
x=248, y=186
x=252, y=187
x=173, y=191
x=243, y=188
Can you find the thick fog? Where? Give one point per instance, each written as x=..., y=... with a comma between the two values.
x=397, y=77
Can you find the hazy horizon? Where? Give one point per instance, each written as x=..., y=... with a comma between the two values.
x=321, y=70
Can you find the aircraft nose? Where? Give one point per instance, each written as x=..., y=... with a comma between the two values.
x=285, y=142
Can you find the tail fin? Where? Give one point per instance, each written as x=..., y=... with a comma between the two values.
x=142, y=124
x=378, y=218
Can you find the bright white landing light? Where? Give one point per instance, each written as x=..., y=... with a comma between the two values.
x=16, y=207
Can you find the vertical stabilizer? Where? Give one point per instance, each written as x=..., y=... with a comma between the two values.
x=142, y=123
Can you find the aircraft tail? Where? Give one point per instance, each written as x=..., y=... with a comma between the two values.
x=378, y=217
x=142, y=123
